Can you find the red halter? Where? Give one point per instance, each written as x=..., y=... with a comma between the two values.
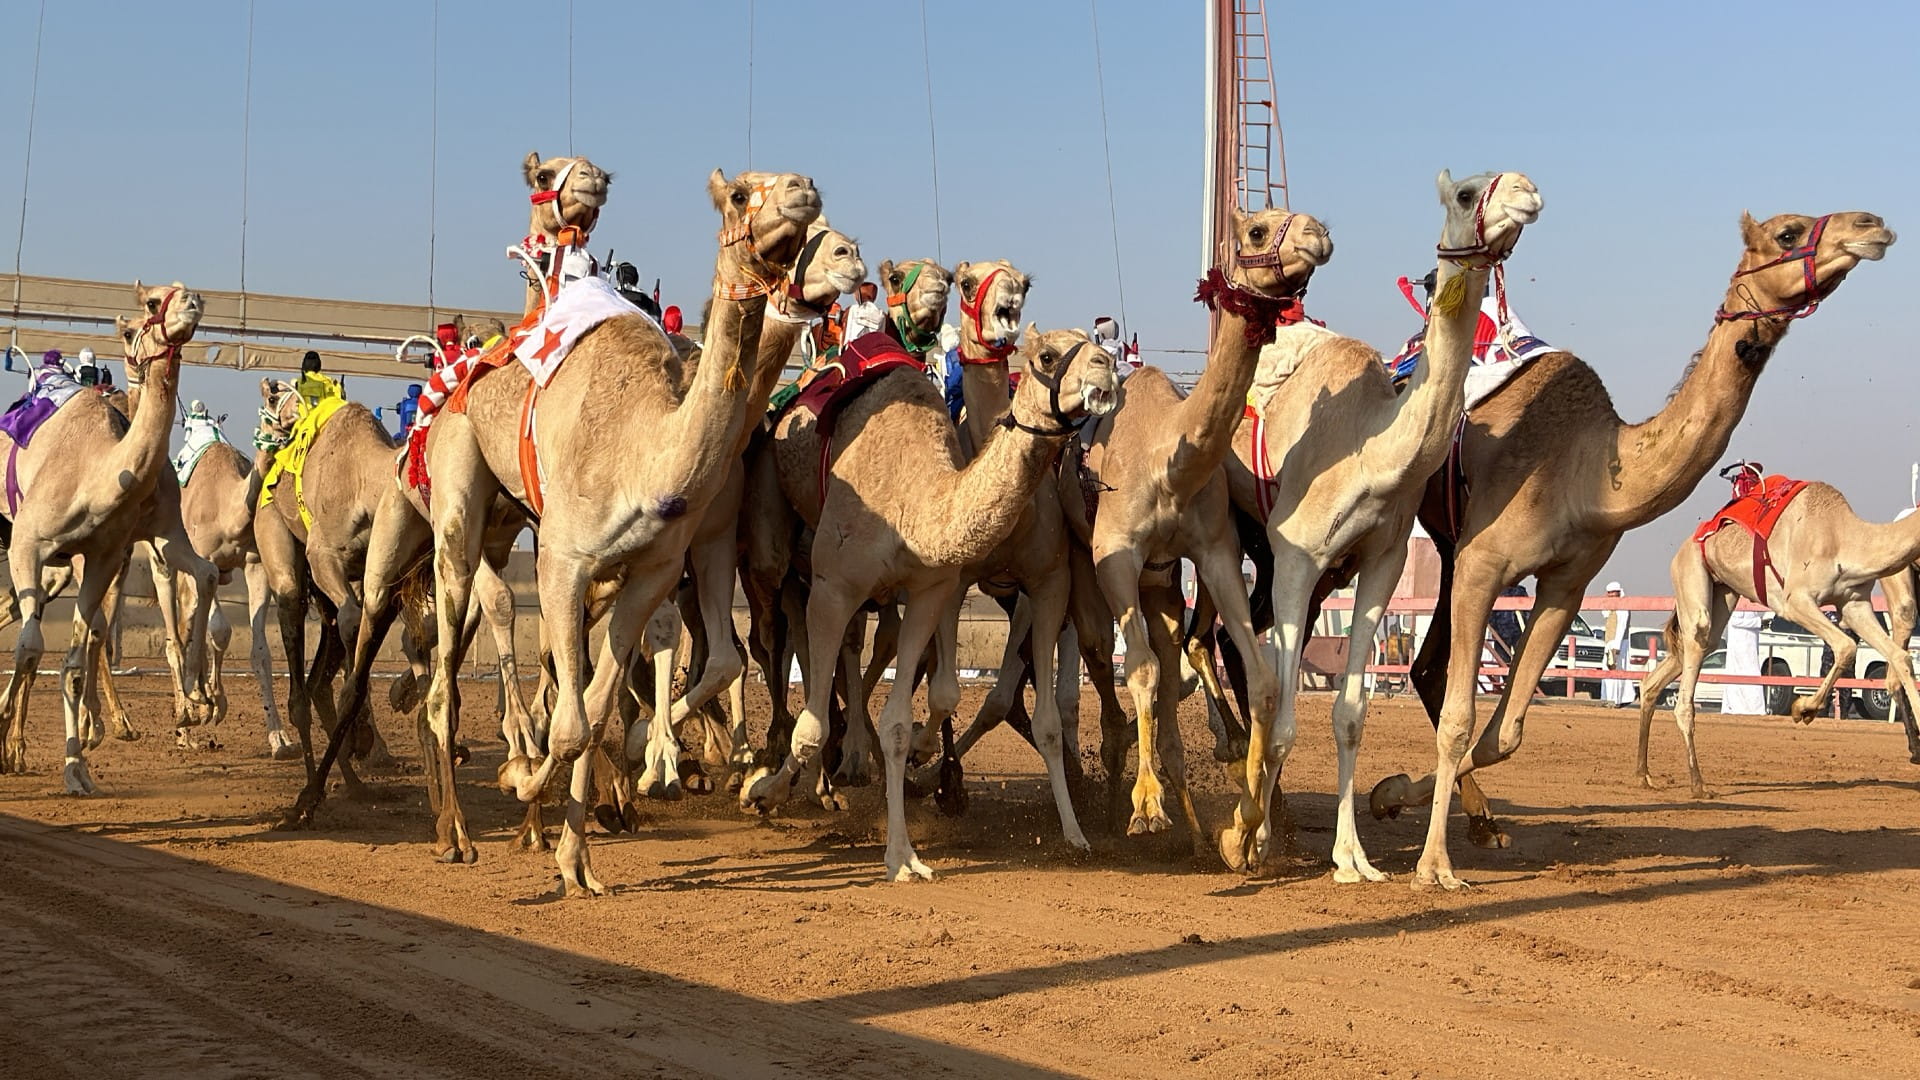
x=159, y=318
x=995, y=353
x=1806, y=253
x=1477, y=255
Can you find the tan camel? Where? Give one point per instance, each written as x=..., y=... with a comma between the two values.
x=1820, y=552
x=1351, y=456
x=216, y=504
x=1157, y=460
x=899, y=514
x=828, y=266
x=619, y=485
x=95, y=474
x=1556, y=477
x=566, y=195
x=775, y=568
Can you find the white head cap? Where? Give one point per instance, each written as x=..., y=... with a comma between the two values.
x=1614, y=586
x=86, y=356
x=949, y=337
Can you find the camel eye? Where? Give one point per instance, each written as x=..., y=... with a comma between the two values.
x=153, y=304
x=126, y=336
x=1464, y=197
x=739, y=198
x=840, y=251
x=894, y=279
x=1047, y=357
x=1787, y=236
x=544, y=177
x=1258, y=234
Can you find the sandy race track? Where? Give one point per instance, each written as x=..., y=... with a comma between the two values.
x=164, y=930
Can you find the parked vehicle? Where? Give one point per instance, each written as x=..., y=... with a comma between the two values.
x=1786, y=648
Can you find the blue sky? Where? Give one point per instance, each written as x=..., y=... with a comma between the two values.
x=1648, y=127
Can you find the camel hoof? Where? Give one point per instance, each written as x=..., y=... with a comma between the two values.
x=762, y=792
x=1443, y=879
x=1646, y=781
x=404, y=694
x=1705, y=793
x=1914, y=757
x=608, y=815
x=630, y=817
x=1485, y=833
x=694, y=778
x=452, y=856
x=461, y=755
x=1233, y=752
x=1143, y=823
x=1232, y=846
x=79, y=781
x=853, y=771
x=666, y=790
x=285, y=751
x=907, y=871
x=834, y=801
x=1389, y=796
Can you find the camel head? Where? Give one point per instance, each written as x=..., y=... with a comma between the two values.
x=916, y=299
x=764, y=218
x=1485, y=214
x=1067, y=376
x=567, y=191
x=992, y=297
x=1277, y=251
x=829, y=266
x=1793, y=262
x=474, y=331
x=168, y=316
x=280, y=407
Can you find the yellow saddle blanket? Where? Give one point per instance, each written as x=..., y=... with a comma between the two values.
x=292, y=458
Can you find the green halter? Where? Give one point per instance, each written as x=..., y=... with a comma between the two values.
x=916, y=340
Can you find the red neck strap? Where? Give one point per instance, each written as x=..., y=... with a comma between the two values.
x=994, y=353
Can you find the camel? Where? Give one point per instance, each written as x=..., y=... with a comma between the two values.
x=774, y=569
x=828, y=266
x=1555, y=478
x=96, y=474
x=1351, y=456
x=619, y=488
x=565, y=200
x=216, y=504
x=1158, y=463
x=1820, y=552
x=896, y=512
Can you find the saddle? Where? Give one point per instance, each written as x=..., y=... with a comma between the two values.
x=291, y=459
x=840, y=380
x=50, y=390
x=1757, y=510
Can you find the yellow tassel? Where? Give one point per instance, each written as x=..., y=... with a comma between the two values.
x=736, y=379
x=1451, y=295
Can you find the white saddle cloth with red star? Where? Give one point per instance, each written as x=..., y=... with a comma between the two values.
x=581, y=306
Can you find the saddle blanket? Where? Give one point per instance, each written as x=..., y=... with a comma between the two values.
x=291, y=459
x=840, y=380
x=1758, y=511
x=1499, y=352
x=581, y=306
x=203, y=434
x=50, y=390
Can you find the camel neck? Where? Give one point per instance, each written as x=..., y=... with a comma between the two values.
x=983, y=502
x=778, y=338
x=1660, y=460
x=983, y=385
x=1890, y=546
x=148, y=433
x=710, y=419
x=1204, y=422
x=1437, y=393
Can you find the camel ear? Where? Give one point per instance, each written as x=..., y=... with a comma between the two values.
x=530, y=168
x=886, y=272
x=1033, y=331
x=717, y=189
x=266, y=390
x=1444, y=182
x=1749, y=229
x=139, y=290
x=120, y=326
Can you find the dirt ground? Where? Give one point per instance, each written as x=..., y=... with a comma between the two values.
x=163, y=929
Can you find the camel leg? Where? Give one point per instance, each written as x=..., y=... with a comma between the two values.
x=1163, y=609
x=926, y=604
x=1006, y=684
x=830, y=608
x=1474, y=589
x=1860, y=617
x=1808, y=614
x=122, y=721
x=1378, y=574
x=1655, y=682
x=456, y=551
x=1120, y=579
x=76, y=673
x=166, y=599
x=197, y=578
x=219, y=641
x=284, y=569
x=657, y=742
x=1066, y=692
x=1248, y=842
x=24, y=562
x=260, y=657
x=1048, y=604
x=1430, y=677
x=858, y=745
x=713, y=578
x=1901, y=613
